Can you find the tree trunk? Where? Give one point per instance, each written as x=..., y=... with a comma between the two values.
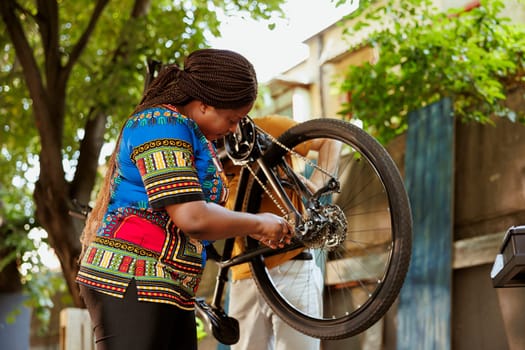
x=10, y=277
x=53, y=195
x=52, y=213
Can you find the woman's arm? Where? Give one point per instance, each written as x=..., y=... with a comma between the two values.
x=328, y=159
x=209, y=221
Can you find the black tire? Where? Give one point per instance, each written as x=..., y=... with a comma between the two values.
x=362, y=277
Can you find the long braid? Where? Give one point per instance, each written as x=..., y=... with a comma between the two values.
x=164, y=89
x=95, y=217
x=218, y=78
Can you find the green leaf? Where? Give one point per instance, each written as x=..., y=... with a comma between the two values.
x=475, y=57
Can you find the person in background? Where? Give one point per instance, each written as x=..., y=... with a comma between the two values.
x=162, y=202
x=260, y=327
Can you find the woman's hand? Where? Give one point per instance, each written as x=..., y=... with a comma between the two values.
x=211, y=221
x=276, y=231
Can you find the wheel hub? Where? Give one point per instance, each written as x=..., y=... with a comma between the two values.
x=325, y=228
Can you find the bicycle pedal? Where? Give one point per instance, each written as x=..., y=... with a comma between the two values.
x=224, y=328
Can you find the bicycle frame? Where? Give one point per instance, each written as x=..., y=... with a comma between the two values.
x=225, y=260
x=357, y=224
x=249, y=145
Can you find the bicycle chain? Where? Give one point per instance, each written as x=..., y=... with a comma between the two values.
x=268, y=192
x=293, y=153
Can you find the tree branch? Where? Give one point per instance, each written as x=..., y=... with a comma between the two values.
x=140, y=8
x=89, y=151
x=24, y=53
x=47, y=19
x=93, y=140
x=84, y=38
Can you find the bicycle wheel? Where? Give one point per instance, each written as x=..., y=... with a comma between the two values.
x=360, y=277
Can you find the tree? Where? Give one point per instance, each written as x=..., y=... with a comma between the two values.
x=474, y=56
x=70, y=72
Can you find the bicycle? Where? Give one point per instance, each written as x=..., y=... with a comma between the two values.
x=358, y=227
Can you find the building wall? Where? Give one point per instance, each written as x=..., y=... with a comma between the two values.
x=489, y=193
x=329, y=57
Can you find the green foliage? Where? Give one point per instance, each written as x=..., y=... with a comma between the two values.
x=104, y=80
x=475, y=57
x=201, y=330
x=107, y=79
x=20, y=247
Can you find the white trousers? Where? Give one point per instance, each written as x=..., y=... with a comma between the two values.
x=260, y=327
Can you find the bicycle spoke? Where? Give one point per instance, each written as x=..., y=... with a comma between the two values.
x=359, y=275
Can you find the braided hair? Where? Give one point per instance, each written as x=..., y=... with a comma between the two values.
x=222, y=79
x=219, y=78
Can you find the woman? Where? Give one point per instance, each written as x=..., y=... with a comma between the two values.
x=162, y=201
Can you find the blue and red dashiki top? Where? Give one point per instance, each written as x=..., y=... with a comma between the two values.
x=163, y=159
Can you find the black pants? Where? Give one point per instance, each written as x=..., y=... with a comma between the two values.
x=129, y=324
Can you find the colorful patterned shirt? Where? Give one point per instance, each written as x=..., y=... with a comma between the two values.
x=163, y=158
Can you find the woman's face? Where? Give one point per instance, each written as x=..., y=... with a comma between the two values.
x=216, y=123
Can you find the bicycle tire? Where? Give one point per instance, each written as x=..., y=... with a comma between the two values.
x=362, y=161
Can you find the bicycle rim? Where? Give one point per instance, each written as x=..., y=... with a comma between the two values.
x=360, y=278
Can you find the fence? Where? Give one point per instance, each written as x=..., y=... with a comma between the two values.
x=75, y=330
